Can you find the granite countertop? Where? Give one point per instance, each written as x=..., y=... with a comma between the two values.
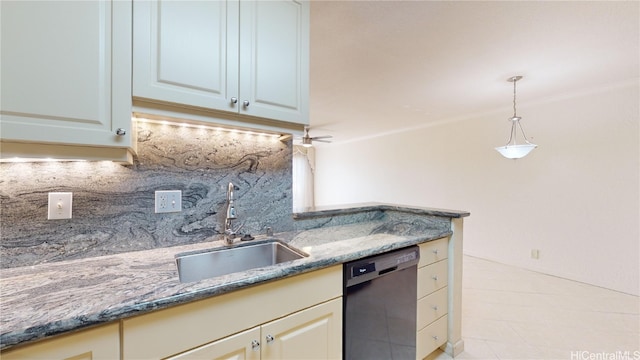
x=49, y=299
x=344, y=209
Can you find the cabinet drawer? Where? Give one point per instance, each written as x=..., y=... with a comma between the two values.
x=433, y=251
x=431, y=337
x=431, y=278
x=432, y=307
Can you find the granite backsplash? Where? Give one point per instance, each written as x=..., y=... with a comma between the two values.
x=113, y=204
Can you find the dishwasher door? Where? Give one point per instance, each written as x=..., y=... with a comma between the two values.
x=380, y=300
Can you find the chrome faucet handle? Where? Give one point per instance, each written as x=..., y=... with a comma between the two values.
x=230, y=233
x=237, y=229
x=233, y=232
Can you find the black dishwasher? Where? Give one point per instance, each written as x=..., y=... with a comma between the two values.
x=380, y=299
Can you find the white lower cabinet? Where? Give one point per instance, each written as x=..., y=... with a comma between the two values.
x=101, y=343
x=294, y=318
x=313, y=333
x=432, y=297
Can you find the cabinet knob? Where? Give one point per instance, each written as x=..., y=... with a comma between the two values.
x=435, y=307
x=255, y=345
x=121, y=132
x=435, y=277
x=435, y=337
x=435, y=251
x=234, y=100
x=246, y=103
x=270, y=339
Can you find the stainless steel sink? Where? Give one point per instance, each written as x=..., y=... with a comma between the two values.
x=198, y=265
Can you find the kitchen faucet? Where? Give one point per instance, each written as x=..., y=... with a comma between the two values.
x=229, y=232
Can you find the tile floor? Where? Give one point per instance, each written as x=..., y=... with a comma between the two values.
x=512, y=313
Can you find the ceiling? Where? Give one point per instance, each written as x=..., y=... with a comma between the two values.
x=386, y=66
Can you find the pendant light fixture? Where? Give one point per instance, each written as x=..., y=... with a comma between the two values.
x=513, y=150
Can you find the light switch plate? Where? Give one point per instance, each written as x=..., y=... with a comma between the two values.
x=168, y=201
x=60, y=204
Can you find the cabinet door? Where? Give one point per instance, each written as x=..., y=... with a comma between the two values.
x=314, y=333
x=95, y=344
x=186, y=52
x=66, y=72
x=237, y=347
x=274, y=59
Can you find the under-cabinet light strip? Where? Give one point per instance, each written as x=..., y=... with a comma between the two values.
x=274, y=136
x=207, y=127
x=19, y=159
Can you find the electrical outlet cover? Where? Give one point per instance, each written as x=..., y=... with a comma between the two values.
x=168, y=201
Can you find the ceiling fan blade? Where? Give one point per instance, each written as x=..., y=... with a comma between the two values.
x=321, y=137
x=324, y=141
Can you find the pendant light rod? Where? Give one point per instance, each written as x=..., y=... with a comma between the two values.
x=514, y=79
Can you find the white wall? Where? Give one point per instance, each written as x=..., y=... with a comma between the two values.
x=575, y=198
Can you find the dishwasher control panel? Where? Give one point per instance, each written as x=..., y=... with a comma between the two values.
x=364, y=269
x=378, y=265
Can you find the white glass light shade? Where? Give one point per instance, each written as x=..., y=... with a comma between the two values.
x=513, y=150
x=516, y=151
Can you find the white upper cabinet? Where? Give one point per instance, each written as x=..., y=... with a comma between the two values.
x=239, y=57
x=66, y=76
x=274, y=59
x=186, y=52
